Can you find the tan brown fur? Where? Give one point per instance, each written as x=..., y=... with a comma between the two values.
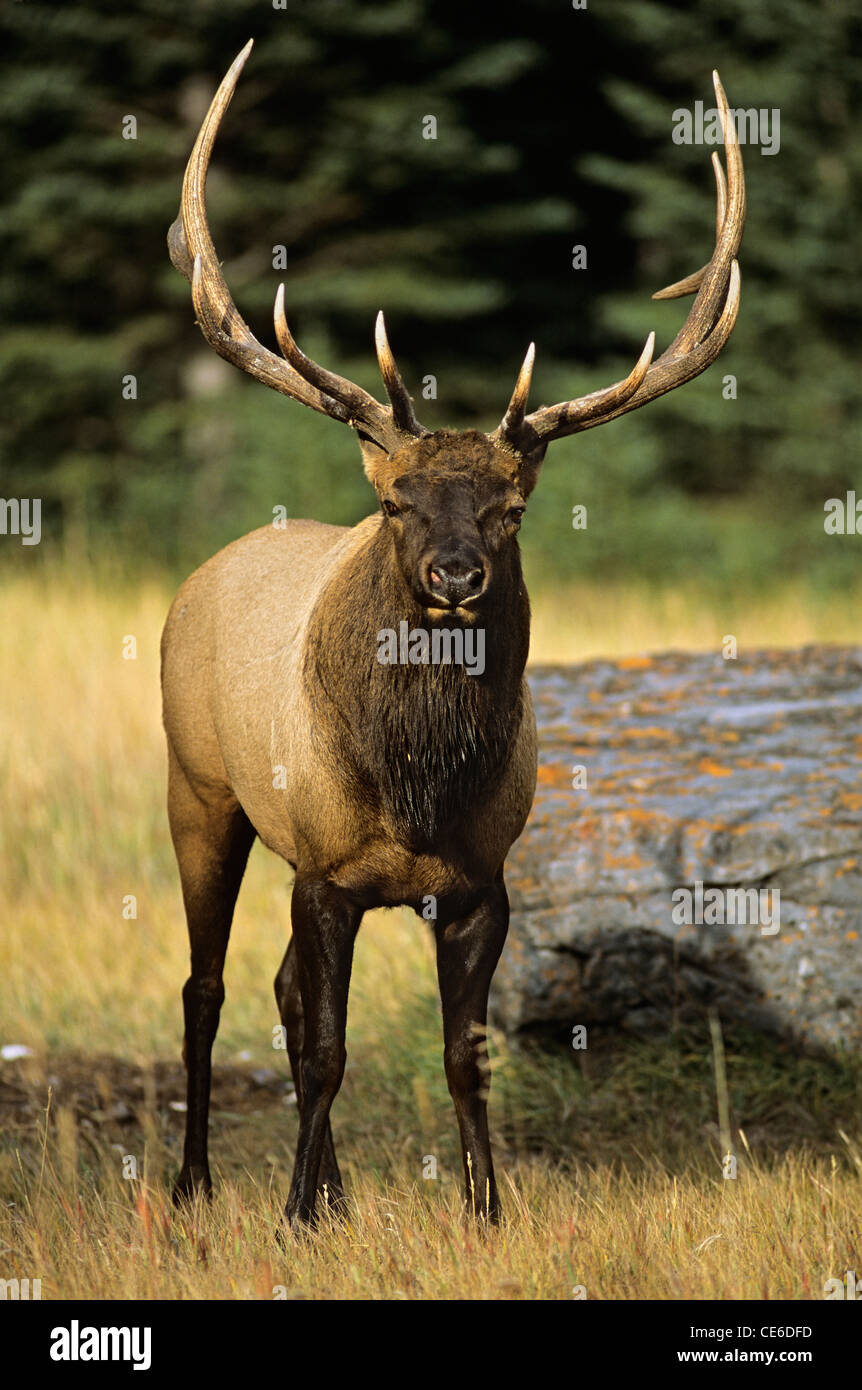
x=237, y=707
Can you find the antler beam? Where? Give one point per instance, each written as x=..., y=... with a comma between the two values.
x=695, y=347
x=193, y=253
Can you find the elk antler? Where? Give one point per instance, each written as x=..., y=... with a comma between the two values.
x=192, y=252
x=695, y=347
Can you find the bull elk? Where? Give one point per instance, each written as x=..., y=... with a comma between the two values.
x=400, y=783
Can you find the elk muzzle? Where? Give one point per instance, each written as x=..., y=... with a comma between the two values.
x=455, y=575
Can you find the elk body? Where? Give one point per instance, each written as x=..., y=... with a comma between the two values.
x=379, y=783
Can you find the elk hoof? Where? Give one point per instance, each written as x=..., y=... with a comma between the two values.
x=191, y=1183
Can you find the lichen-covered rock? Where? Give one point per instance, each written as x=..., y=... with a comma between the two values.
x=728, y=774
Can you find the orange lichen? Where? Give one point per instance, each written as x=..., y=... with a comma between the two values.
x=634, y=663
x=714, y=769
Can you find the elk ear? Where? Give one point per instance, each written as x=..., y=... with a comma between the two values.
x=529, y=468
x=373, y=457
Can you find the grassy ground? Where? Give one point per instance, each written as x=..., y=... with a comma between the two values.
x=592, y=621
x=610, y=1159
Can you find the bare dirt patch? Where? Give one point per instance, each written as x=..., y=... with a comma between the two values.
x=105, y=1093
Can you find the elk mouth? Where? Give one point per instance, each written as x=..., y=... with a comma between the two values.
x=461, y=611
x=438, y=608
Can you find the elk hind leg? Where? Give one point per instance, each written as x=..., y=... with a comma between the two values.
x=212, y=840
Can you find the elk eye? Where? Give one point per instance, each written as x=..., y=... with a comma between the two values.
x=390, y=508
x=515, y=514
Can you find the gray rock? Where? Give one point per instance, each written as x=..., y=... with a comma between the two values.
x=739, y=774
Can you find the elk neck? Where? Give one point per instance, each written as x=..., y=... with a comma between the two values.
x=420, y=745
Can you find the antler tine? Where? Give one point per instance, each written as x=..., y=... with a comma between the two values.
x=399, y=396
x=693, y=282
x=569, y=417
x=192, y=217
x=712, y=290
x=702, y=336
x=510, y=426
x=194, y=255
x=668, y=372
x=361, y=407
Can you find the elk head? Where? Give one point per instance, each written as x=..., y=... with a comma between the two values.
x=453, y=501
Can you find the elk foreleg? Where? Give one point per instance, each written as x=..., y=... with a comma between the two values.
x=325, y=923
x=468, y=949
x=329, y=1185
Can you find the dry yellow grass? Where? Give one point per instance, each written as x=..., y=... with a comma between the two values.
x=590, y=621
x=626, y=1199
x=594, y=1233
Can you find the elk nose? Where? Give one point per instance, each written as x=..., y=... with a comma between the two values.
x=455, y=580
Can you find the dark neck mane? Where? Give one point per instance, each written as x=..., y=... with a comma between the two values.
x=424, y=744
